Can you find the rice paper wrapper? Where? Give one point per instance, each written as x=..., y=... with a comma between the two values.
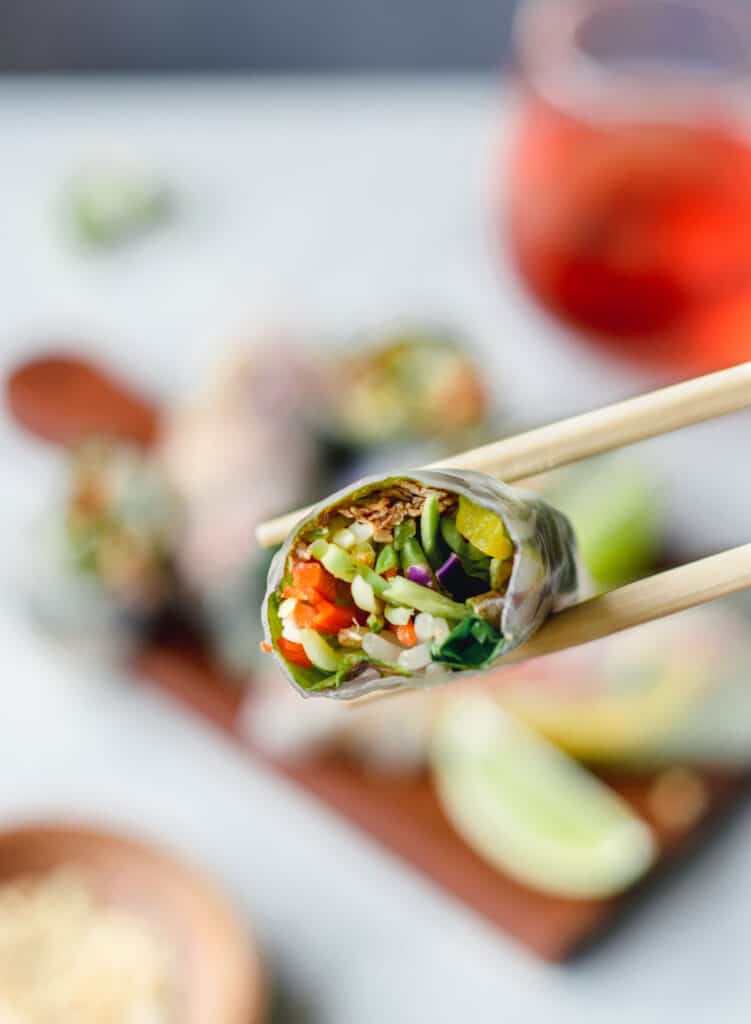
x=546, y=575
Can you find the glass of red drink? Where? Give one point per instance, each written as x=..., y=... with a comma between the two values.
x=629, y=211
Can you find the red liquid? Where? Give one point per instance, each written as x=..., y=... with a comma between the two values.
x=638, y=234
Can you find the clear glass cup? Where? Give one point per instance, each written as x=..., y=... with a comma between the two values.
x=629, y=210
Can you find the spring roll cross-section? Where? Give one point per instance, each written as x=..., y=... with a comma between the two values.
x=410, y=580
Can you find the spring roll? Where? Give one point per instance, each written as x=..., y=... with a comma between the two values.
x=100, y=568
x=412, y=580
x=416, y=386
x=237, y=453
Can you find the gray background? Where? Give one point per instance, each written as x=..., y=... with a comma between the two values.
x=284, y=35
x=332, y=203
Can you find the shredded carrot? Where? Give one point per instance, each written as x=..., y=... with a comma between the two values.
x=293, y=652
x=390, y=573
x=266, y=648
x=406, y=635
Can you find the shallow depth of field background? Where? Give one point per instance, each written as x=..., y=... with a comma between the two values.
x=337, y=167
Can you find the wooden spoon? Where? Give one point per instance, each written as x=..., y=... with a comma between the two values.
x=64, y=399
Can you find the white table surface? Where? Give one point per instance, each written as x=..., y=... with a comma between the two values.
x=339, y=204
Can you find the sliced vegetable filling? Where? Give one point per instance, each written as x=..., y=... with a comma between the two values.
x=405, y=580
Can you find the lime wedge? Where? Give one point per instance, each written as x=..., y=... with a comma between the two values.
x=529, y=809
x=624, y=698
x=611, y=725
x=716, y=730
x=614, y=507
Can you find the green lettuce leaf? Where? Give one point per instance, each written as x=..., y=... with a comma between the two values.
x=473, y=643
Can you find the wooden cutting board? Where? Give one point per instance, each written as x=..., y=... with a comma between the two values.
x=63, y=398
x=405, y=816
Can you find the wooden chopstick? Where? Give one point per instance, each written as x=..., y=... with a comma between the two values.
x=651, y=598
x=644, y=601
x=591, y=433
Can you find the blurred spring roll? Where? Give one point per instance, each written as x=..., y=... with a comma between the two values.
x=418, y=385
x=237, y=453
x=102, y=567
x=410, y=580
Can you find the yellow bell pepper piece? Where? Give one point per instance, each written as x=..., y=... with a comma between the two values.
x=484, y=529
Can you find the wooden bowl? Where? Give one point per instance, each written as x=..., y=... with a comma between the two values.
x=219, y=972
